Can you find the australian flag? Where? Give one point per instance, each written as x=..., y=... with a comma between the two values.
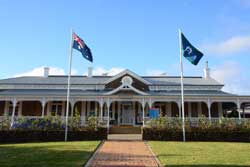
x=189, y=51
x=80, y=45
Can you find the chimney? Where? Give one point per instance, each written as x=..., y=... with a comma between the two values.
x=46, y=72
x=206, y=71
x=90, y=71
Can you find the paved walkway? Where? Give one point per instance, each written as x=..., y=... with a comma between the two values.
x=123, y=154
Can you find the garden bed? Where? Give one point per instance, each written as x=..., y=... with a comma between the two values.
x=162, y=134
x=19, y=136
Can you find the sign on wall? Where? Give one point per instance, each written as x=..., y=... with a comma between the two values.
x=154, y=113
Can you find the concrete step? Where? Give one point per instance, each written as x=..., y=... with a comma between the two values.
x=125, y=137
x=125, y=130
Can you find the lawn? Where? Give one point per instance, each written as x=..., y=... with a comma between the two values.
x=202, y=154
x=63, y=154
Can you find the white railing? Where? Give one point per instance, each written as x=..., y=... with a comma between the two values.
x=5, y=120
x=195, y=121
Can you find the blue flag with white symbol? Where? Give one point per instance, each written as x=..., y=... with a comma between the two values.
x=80, y=45
x=189, y=51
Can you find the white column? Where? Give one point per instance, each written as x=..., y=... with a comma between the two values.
x=48, y=108
x=83, y=108
x=220, y=109
x=189, y=110
x=14, y=102
x=83, y=112
x=113, y=110
x=72, y=109
x=108, y=106
x=143, y=112
x=88, y=108
x=101, y=109
x=150, y=103
x=199, y=109
x=20, y=105
x=170, y=109
x=43, y=107
x=179, y=107
x=209, y=108
x=238, y=108
x=133, y=114
x=167, y=109
x=6, y=108
x=119, y=112
x=95, y=107
x=139, y=112
x=63, y=109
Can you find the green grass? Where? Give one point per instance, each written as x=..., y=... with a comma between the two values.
x=202, y=154
x=62, y=154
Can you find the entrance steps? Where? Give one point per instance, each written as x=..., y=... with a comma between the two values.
x=125, y=137
x=125, y=130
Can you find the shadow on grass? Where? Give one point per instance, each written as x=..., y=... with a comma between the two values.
x=206, y=165
x=44, y=156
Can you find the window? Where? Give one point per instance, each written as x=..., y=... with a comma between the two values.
x=11, y=109
x=56, y=108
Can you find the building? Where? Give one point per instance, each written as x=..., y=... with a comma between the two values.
x=127, y=96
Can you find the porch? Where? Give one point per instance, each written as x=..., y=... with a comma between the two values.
x=120, y=112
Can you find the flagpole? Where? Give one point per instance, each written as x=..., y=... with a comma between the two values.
x=68, y=90
x=182, y=89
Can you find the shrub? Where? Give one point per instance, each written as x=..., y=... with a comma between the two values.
x=92, y=122
x=76, y=121
x=162, y=122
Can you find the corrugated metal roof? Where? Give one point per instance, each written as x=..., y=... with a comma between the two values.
x=192, y=93
x=186, y=81
x=96, y=80
x=78, y=92
x=48, y=92
x=55, y=80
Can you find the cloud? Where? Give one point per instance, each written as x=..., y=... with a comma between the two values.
x=232, y=75
x=228, y=47
x=155, y=72
x=102, y=71
x=225, y=72
x=39, y=71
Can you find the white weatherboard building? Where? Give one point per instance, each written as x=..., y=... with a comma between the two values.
x=123, y=99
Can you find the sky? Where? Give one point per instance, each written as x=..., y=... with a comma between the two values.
x=140, y=35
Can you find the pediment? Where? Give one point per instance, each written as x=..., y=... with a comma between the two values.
x=126, y=88
x=138, y=82
x=130, y=73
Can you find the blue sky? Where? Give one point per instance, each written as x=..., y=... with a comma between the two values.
x=139, y=35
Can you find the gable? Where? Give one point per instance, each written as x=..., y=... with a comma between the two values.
x=137, y=82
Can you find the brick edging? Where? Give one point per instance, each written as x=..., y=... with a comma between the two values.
x=94, y=154
x=155, y=157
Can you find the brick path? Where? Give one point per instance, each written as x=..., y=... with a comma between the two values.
x=123, y=153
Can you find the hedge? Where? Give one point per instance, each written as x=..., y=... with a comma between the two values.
x=196, y=135
x=20, y=136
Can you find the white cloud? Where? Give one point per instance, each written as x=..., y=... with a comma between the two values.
x=230, y=46
x=101, y=71
x=155, y=72
x=232, y=75
x=226, y=71
x=39, y=71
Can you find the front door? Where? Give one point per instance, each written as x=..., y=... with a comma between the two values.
x=127, y=115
